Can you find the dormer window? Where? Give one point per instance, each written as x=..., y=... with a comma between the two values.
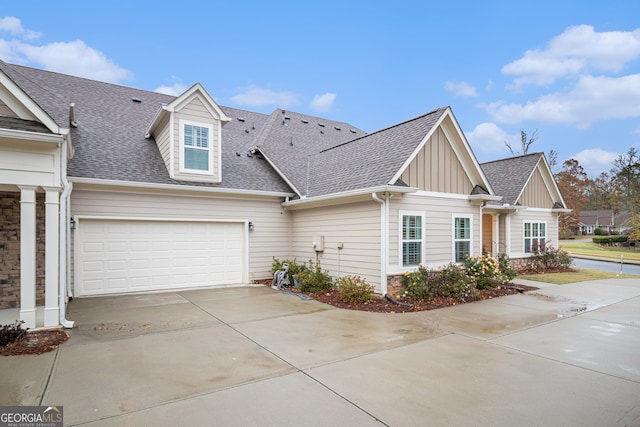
x=196, y=147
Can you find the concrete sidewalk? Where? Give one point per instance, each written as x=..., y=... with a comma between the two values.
x=560, y=356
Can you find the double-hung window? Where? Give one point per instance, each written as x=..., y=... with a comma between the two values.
x=461, y=237
x=196, y=147
x=535, y=236
x=412, y=234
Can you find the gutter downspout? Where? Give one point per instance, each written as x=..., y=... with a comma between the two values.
x=64, y=252
x=383, y=240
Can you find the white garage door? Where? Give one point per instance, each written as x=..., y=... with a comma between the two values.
x=115, y=256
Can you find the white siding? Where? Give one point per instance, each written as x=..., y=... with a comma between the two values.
x=438, y=227
x=270, y=238
x=163, y=139
x=29, y=163
x=517, y=229
x=356, y=225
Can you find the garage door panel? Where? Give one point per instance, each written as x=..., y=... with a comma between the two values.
x=126, y=256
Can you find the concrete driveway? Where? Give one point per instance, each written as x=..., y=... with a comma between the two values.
x=561, y=356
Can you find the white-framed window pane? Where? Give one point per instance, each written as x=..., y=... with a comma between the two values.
x=411, y=253
x=463, y=228
x=463, y=249
x=535, y=236
x=196, y=136
x=195, y=158
x=411, y=240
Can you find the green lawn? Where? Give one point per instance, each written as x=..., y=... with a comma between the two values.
x=580, y=275
x=591, y=249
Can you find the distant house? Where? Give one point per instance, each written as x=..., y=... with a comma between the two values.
x=106, y=189
x=603, y=219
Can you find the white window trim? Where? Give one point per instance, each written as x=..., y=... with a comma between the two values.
x=453, y=234
x=524, y=238
x=401, y=215
x=209, y=126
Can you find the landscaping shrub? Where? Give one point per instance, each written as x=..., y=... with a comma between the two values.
x=294, y=267
x=451, y=281
x=548, y=258
x=354, y=289
x=11, y=333
x=485, y=271
x=456, y=283
x=604, y=240
x=314, y=279
x=597, y=231
x=508, y=272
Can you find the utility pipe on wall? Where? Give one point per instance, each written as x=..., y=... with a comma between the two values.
x=383, y=240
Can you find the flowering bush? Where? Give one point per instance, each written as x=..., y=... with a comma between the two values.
x=489, y=272
x=416, y=284
x=547, y=258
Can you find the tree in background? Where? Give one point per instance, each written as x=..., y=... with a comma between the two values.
x=626, y=178
x=573, y=183
x=601, y=193
x=525, y=143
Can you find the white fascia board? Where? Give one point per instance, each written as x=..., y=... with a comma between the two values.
x=195, y=90
x=156, y=119
x=484, y=198
x=29, y=104
x=347, y=194
x=31, y=136
x=79, y=182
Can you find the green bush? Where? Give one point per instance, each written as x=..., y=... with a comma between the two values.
x=354, y=289
x=11, y=333
x=455, y=283
x=294, y=267
x=548, y=258
x=603, y=240
x=485, y=270
x=416, y=284
x=314, y=279
x=597, y=231
x=507, y=271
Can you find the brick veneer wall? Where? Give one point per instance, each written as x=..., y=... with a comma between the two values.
x=10, y=249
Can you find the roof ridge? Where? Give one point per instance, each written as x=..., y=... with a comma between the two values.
x=385, y=129
x=538, y=153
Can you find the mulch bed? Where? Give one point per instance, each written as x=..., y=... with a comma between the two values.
x=36, y=342
x=382, y=305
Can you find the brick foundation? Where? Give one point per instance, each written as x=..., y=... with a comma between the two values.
x=10, y=249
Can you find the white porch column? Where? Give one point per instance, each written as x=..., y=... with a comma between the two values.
x=28, y=256
x=51, y=300
x=496, y=234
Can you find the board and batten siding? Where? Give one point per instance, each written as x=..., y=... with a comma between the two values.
x=536, y=193
x=355, y=225
x=271, y=235
x=438, y=227
x=437, y=168
x=195, y=111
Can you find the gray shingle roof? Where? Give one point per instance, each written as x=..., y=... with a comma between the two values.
x=109, y=140
x=369, y=161
x=509, y=176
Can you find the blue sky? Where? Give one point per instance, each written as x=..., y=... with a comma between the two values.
x=568, y=69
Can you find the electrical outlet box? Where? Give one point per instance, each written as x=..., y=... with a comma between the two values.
x=318, y=243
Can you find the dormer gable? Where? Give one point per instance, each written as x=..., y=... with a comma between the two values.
x=188, y=132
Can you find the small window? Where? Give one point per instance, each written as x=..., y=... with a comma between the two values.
x=196, y=147
x=412, y=240
x=535, y=236
x=461, y=238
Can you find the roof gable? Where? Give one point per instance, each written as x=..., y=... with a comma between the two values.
x=514, y=177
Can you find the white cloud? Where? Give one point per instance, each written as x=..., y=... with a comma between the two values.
x=578, y=50
x=460, y=89
x=490, y=138
x=175, y=89
x=591, y=100
x=13, y=26
x=258, y=97
x=74, y=58
x=323, y=103
x=595, y=160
